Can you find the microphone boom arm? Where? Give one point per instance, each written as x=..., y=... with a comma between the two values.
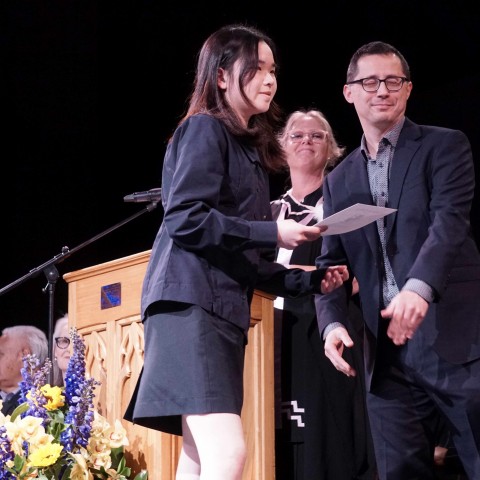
x=66, y=252
x=52, y=274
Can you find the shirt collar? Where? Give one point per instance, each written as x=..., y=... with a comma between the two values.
x=3, y=394
x=391, y=136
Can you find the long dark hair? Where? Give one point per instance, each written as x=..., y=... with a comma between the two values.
x=221, y=50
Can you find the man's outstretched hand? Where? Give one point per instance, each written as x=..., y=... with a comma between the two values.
x=337, y=340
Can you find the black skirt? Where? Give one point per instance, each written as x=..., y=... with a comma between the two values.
x=193, y=364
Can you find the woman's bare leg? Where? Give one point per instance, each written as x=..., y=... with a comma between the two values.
x=215, y=444
x=189, y=462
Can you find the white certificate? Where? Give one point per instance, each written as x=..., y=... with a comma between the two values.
x=351, y=218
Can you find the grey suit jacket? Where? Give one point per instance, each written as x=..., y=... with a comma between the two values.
x=429, y=238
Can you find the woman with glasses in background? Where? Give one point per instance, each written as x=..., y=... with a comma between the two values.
x=322, y=430
x=61, y=350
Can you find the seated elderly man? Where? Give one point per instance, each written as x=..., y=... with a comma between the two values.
x=15, y=343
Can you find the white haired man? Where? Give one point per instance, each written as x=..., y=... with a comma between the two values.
x=15, y=343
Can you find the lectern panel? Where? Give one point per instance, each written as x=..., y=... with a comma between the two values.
x=104, y=305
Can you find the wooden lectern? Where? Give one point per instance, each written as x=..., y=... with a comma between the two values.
x=104, y=305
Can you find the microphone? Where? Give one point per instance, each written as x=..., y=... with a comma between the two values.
x=153, y=195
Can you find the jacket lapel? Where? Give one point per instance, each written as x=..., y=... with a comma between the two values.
x=404, y=152
x=358, y=188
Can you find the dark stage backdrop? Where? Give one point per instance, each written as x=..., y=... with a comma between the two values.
x=90, y=91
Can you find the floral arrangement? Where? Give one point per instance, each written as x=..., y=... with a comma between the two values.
x=56, y=434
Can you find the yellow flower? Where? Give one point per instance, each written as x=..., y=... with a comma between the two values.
x=45, y=456
x=32, y=434
x=55, y=399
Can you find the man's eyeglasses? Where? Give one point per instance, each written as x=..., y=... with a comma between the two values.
x=62, y=342
x=316, y=137
x=372, y=84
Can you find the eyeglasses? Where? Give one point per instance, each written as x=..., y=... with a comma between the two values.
x=316, y=137
x=62, y=342
x=372, y=84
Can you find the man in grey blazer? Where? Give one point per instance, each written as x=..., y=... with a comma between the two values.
x=418, y=271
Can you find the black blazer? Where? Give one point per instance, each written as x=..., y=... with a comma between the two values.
x=12, y=403
x=217, y=240
x=432, y=185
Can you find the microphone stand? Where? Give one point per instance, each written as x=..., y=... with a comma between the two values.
x=51, y=272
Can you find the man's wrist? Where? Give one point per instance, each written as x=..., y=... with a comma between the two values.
x=420, y=288
x=330, y=327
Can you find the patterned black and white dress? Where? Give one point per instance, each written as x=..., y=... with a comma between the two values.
x=322, y=429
